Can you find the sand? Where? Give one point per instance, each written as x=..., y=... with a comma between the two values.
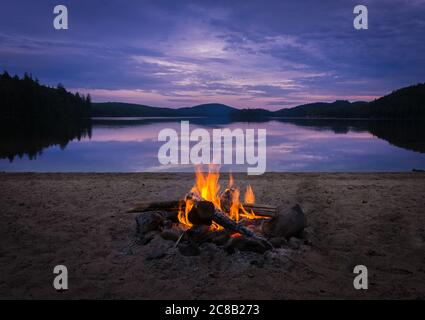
x=80, y=220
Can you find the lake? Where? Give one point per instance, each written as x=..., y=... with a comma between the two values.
x=130, y=145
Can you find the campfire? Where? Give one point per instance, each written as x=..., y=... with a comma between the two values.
x=210, y=213
x=206, y=204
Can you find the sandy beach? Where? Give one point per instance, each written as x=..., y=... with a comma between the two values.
x=81, y=221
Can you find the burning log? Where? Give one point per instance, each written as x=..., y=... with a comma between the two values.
x=172, y=207
x=232, y=225
x=226, y=198
x=262, y=210
x=203, y=212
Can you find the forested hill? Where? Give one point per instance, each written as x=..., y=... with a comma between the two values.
x=34, y=116
x=26, y=99
x=404, y=103
x=408, y=102
x=119, y=109
x=337, y=109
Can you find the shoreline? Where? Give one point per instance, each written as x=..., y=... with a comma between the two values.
x=80, y=220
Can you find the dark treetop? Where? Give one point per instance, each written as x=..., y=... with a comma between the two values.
x=405, y=103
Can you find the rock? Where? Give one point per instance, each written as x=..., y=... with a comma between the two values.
x=157, y=254
x=145, y=238
x=278, y=242
x=167, y=224
x=170, y=235
x=168, y=215
x=148, y=221
x=209, y=249
x=294, y=243
x=158, y=248
x=220, y=238
x=287, y=224
x=243, y=243
x=190, y=249
x=258, y=263
x=199, y=233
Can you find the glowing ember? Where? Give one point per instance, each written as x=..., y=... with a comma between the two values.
x=207, y=187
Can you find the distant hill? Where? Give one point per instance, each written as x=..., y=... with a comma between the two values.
x=119, y=109
x=252, y=114
x=337, y=109
x=207, y=110
x=406, y=103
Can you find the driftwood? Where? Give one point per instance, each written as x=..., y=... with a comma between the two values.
x=263, y=210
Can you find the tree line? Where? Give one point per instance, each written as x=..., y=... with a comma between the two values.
x=26, y=99
x=404, y=103
x=35, y=116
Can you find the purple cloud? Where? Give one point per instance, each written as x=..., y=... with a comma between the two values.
x=244, y=53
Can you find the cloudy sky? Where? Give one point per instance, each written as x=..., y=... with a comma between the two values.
x=268, y=54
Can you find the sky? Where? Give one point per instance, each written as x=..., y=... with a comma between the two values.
x=245, y=53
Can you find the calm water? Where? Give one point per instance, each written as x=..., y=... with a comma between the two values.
x=130, y=144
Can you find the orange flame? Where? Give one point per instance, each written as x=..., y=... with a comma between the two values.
x=207, y=187
x=249, y=195
x=183, y=214
x=234, y=208
x=231, y=181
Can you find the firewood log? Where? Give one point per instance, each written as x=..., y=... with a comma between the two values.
x=226, y=199
x=262, y=210
x=202, y=212
x=173, y=206
x=220, y=218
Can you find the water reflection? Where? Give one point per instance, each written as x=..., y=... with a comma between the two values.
x=19, y=139
x=130, y=144
x=407, y=134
